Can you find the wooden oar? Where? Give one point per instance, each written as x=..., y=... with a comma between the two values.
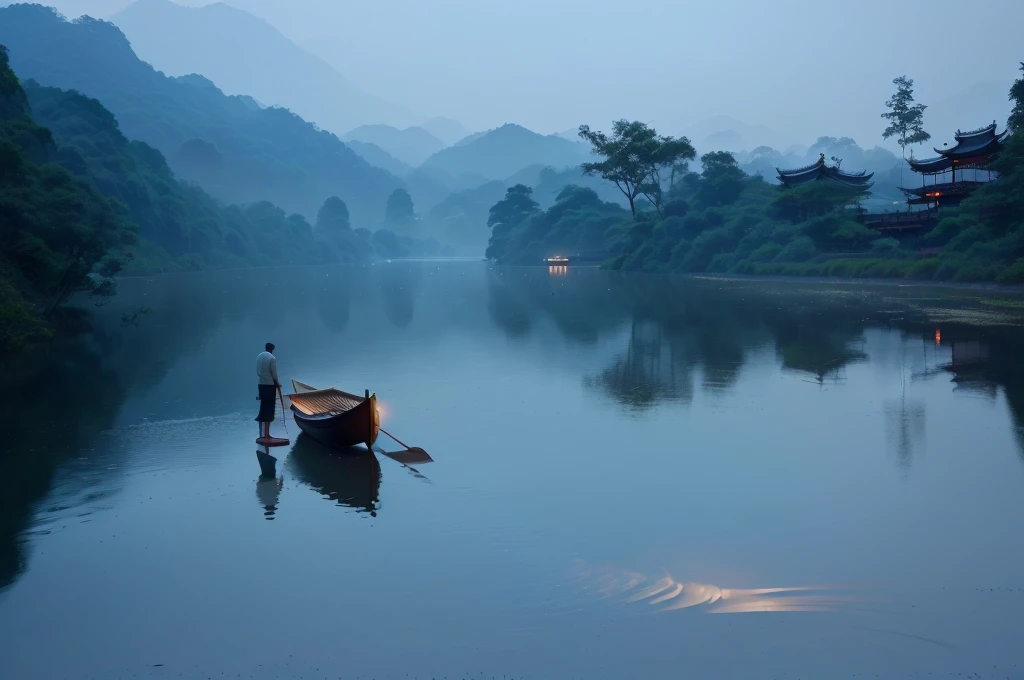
x=413, y=449
x=284, y=416
x=399, y=458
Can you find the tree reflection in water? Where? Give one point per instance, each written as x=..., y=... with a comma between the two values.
x=678, y=329
x=398, y=287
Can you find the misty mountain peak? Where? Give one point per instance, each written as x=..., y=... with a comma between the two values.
x=506, y=150
x=197, y=80
x=512, y=129
x=410, y=145
x=447, y=130
x=244, y=54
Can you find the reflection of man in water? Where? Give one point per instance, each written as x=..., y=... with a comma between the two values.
x=269, y=385
x=268, y=491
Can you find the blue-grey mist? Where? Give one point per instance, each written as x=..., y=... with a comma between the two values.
x=633, y=476
x=794, y=70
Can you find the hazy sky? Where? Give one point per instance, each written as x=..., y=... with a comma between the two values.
x=800, y=67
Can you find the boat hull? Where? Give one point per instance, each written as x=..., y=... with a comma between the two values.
x=359, y=425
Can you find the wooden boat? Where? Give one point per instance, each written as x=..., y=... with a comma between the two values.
x=335, y=418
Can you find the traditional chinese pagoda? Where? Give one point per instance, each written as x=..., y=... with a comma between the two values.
x=956, y=171
x=820, y=171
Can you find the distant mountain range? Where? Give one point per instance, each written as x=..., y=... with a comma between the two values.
x=412, y=145
x=447, y=130
x=235, y=150
x=502, y=152
x=971, y=108
x=572, y=134
x=242, y=54
x=725, y=133
x=378, y=157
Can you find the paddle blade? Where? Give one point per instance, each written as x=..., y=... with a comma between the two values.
x=411, y=456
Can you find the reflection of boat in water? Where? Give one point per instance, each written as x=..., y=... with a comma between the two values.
x=351, y=478
x=335, y=418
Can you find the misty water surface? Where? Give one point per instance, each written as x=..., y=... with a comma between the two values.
x=634, y=477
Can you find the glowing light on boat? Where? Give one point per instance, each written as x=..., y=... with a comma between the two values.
x=557, y=259
x=938, y=337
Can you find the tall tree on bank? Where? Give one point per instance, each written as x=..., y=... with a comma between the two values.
x=505, y=215
x=905, y=118
x=635, y=156
x=333, y=217
x=399, y=209
x=1016, y=121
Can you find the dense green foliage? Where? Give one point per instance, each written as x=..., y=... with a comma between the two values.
x=333, y=217
x=984, y=239
x=236, y=150
x=579, y=223
x=79, y=202
x=1016, y=121
x=634, y=159
x=180, y=224
x=723, y=220
x=58, y=235
x=399, y=211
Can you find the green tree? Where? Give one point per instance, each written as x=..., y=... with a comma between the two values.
x=722, y=180
x=1016, y=121
x=635, y=157
x=507, y=214
x=517, y=205
x=905, y=118
x=333, y=217
x=399, y=209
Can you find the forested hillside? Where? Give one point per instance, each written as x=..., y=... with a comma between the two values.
x=56, y=230
x=80, y=202
x=237, y=151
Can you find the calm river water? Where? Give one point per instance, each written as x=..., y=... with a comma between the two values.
x=633, y=477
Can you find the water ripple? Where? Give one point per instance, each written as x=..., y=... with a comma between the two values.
x=668, y=594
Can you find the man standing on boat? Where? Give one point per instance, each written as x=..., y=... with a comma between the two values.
x=269, y=386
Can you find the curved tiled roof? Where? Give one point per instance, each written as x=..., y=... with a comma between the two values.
x=930, y=165
x=820, y=171
x=981, y=142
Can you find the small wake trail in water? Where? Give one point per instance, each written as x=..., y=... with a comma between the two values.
x=667, y=594
x=148, y=425
x=156, y=445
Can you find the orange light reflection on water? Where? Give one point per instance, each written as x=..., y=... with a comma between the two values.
x=669, y=594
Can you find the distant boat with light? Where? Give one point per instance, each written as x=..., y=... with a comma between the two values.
x=557, y=259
